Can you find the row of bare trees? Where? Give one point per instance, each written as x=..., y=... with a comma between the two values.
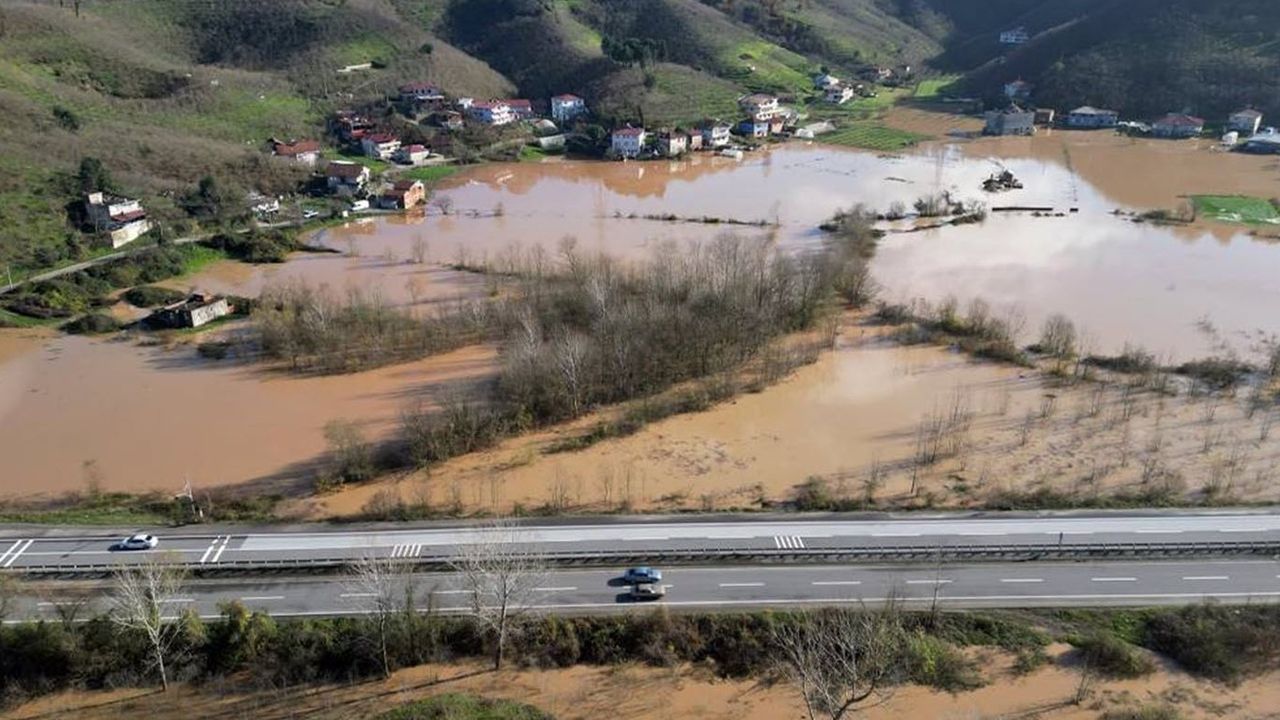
x=501, y=580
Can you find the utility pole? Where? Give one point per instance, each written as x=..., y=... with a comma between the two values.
x=8, y=270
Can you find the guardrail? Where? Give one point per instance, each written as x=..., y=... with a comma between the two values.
x=863, y=554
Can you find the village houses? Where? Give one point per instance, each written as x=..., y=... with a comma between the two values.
x=1012, y=120
x=303, y=152
x=192, y=312
x=521, y=109
x=1245, y=122
x=402, y=195
x=672, y=143
x=379, y=145
x=825, y=81
x=491, y=112
x=628, y=142
x=566, y=107
x=1018, y=90
x=411, y=154
x=347, y=178
x=421, y=93
x=1091, y=118
x=122, y=220
x=1178, y=126
x=763, y=115
x=839, y=94
x=1016, y=36
x=716, y=134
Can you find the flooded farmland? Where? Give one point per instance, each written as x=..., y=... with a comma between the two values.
x=150, y=417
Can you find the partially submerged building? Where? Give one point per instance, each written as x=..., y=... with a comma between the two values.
x=196, y=310
x=1012, y=120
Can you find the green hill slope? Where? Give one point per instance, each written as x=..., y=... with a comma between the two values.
x=166, y=92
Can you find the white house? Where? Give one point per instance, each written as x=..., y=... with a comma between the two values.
x=411, y=154
x=380, y=145
x=1018, y=90
x=491, y=112
x=1016, y=36
x=123, y=220
x=421, y=92
x=716, y=135
x=1245, y=122
x=1091, y=117
x=759, y=106
x=628, y=142
x=825, y=81
x=672, y=143
x=347, y=178
x=567, y=107
x=839, y=94
x=262, y=205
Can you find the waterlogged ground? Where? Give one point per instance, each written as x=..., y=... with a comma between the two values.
x=151, y=417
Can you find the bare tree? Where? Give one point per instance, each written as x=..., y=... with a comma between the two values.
x=839, y=659
x=502, y=579
x=145, y=595
x=8, y=595
x=383, y=588
x=419, y=250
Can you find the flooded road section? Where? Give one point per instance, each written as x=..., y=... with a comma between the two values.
x=1120, y=281
x=147, y=418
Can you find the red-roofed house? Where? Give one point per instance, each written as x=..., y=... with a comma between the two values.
x=303, y=152
x=522, y=109
x=1177, y=125
x=567, y=107
x=380, y=145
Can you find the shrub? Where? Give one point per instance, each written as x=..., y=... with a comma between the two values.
x=92, y=324
x=1113, y=657
x=938, y=664
x=1143, y=712
x=457, y=706
x=1217, y=642
x=146, y=296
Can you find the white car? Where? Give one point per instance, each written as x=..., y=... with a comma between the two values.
x=141, y=541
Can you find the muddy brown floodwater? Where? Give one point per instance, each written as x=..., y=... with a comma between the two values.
x=1121, y=282
x=150, y=417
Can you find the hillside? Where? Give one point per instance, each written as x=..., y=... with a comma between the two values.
x=165, y=93
x=1142, y=57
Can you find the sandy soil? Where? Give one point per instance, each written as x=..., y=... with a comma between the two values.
x=853, y=421
x=587, y=693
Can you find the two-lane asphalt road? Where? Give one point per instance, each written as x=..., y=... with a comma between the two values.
x=711, y=588
x=25, y=550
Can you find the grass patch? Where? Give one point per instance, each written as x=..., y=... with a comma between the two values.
x=1238, y=209
x=457, y=706
x=431, y=173
x=874, y=137
x=762, y=66
x=374, y=164
x=531, y=153
x=934, y=88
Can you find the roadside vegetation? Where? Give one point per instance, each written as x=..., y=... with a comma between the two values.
x=457, y=706
x=890, y=647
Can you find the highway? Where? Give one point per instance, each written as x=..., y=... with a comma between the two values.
x=29, y=549
x=582, y=591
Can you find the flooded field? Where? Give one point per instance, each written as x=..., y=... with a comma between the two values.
x=851, y=426
x=1120, y=281
x=149, y=417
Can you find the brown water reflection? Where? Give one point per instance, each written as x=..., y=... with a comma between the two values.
x=151, y=418
x=1120, y=281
